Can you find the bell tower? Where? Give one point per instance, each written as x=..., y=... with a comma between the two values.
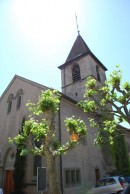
x=80, y=64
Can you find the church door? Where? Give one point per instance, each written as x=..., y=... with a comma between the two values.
x=9, y=183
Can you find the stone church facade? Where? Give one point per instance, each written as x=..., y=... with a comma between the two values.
x=82, y=166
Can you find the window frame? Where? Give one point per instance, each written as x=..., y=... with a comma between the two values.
x=72, y=177
x=19, y=98
x=10, y=100
x=110, y=181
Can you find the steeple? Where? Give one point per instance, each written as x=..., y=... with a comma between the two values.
x=80, y=64
x=78, y=50
x=79, y=47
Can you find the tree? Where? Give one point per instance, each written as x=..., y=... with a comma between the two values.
x=38, y=136
x=121, y=156
x=108, y=105
x=19, y=172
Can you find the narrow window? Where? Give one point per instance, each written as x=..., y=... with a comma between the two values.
x=18, y=102
x=73, y=177
x=19, y=96
x=67, y=177
x=98, y=74
x=78, y=176
x=10, y=99
x=9, y=106
x=76, y=73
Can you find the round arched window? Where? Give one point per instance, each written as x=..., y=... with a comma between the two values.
x=76, y=72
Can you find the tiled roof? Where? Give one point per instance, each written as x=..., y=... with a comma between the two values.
x=79, y=47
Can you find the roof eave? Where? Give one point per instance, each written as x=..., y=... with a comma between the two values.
x=80, y=56
x=75, y=58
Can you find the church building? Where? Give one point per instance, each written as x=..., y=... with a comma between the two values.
x=83, y=166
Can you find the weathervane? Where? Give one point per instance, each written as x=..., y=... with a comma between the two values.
x=77, y=24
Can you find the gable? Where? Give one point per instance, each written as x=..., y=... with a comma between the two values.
x=23, y=81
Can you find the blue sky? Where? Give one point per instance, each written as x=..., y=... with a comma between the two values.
x=37, y=35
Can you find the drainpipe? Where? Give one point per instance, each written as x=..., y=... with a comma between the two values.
x=61, y=176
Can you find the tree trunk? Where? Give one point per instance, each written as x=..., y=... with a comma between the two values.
x=52, y=174
x=50, y=158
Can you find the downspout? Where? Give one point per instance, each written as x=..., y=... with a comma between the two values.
x=61, y=176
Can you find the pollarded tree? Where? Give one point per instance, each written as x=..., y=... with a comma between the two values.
x=38, y=136
x=108, y=104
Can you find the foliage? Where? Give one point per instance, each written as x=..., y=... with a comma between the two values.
x=75, y=126
x=108, y=105
x=36, y=131
x=38, y=136
x=48, y=100
x=121, y=155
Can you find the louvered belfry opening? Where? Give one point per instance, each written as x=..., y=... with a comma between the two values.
x=76, y=73
x=98, y=74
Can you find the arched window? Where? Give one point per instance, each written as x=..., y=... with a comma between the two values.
x=76, y=73
x=10, y=99
x=19, y=94
x=98, y=74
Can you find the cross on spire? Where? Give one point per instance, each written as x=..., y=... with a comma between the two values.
x=77, y=24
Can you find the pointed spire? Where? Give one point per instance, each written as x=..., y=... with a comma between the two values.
x=79, y=47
